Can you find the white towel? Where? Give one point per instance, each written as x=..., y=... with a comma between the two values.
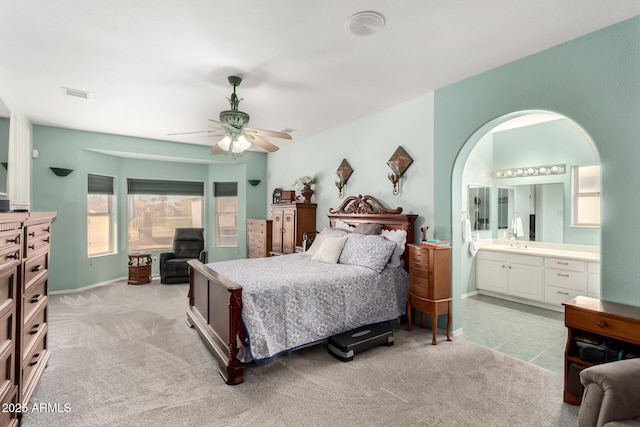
x=473, y=248
x=466, y=230
x=517, y=227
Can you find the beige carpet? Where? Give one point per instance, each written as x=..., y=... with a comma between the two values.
x=123, y=356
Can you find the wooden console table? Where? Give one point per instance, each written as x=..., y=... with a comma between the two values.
x=139, y=268
x=595, y=320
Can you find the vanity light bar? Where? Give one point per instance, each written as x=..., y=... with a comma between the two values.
x=531, y=171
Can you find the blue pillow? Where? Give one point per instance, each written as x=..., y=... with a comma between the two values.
x=365, y=250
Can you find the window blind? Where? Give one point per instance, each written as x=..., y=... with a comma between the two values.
x=100, y=184
x=225, y=189
x=164, y=188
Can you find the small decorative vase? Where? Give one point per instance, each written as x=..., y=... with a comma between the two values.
x=307, y=192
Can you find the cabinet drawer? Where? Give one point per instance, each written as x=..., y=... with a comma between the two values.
x=8, y=280
x=9, y=256
x=555, y=295
x=34, y=298
x=35, y=268
x=492, y=256
x=565, y=279
x=525, y=259
x=34, y=328
x=564, y=264
x=602, y=324
x=32, y=362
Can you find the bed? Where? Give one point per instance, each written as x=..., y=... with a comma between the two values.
x=252, y=309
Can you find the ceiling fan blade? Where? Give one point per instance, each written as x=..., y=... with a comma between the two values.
x=223, y=125
x=255, y=139
x=271, y=133
x=216, y=149
x=197, y=131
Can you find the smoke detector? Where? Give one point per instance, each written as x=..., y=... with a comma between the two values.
x=365, y=23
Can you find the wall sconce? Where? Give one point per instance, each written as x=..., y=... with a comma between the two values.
x=399, y=162
x=61, y=171
x=344, y=172
x=531, y=171
x=254, y=182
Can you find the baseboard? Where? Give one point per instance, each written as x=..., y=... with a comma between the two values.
x=84, y=288
x=469, y=294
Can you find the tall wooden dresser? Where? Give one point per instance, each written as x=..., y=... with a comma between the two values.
x=290, y=221
x=258, y=238
x=430, y=284
x=24, y=265
x=11, y=238
x=32, y=312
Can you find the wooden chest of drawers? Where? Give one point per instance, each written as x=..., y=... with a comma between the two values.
x=430, y=284
x=597, y=320
x=259, y=232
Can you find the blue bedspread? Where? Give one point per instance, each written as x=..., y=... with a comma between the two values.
x=292, y=300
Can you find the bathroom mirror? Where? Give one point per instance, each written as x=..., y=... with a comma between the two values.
x=479, y=207
x=539, y=208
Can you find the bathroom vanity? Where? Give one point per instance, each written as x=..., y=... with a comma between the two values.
x=545, y=275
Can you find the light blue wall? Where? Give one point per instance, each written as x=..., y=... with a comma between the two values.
x=592, y=80
x=367, y=144
x=70, y=266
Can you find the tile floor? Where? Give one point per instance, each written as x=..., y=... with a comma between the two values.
x=528, y=333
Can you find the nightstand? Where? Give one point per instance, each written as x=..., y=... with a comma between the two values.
x=139, y=269
x=430, y=285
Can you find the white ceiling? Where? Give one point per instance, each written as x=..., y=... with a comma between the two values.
x=158, y=67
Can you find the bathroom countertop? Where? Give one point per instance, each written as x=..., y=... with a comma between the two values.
x=569, y=253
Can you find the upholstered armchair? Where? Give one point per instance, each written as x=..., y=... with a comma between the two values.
x=611, y=394
x=188, y=243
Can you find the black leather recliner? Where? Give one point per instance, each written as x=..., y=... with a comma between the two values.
x=188, y=243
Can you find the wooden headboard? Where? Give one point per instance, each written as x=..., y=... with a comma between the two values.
x=367, y=209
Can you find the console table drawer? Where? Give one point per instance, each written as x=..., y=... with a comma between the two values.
x=604, y=325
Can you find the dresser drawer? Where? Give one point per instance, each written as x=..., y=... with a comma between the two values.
x=555, y=295
x=565, y=279
x=35, y=268
x=256, y=226
x=9, y=256
x=34, y=298
x=564, y=264
x=602, y=324
x=32, y=361
x=38, y=237
x=257, y=252
x=8, y=280
x=419, y=258
x=34, y=328
x=7, y=348
x=257, y=241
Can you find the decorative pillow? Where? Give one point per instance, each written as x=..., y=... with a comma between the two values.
x=330, y=250
x=368, y=228
x=367, y=251
x=343, y=225
x=400, y=238
x=318, y=241
x=338, y=231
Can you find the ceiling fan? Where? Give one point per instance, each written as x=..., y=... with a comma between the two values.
x=236, y=136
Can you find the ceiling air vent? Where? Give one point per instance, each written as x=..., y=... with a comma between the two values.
x=365, y=23
x=76, y=92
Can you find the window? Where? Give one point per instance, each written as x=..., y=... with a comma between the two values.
x=99, y=218
x=586, y=195
x=226, y=213
x=157, y=207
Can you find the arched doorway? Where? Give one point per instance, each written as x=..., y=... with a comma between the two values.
x=475, y=170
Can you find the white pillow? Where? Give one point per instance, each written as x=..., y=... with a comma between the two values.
x=317, y=242
x=343, y=225
x=330, y=250
x=400, y=239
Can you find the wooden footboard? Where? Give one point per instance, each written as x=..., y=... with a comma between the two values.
x=215, y=304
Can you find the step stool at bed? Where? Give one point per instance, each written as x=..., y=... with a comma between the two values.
x=344, y=346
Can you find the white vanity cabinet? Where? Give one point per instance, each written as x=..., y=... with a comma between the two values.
x=511, y=274
x=564, y=279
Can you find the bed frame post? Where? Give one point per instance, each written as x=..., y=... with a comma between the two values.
x=235, y=368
